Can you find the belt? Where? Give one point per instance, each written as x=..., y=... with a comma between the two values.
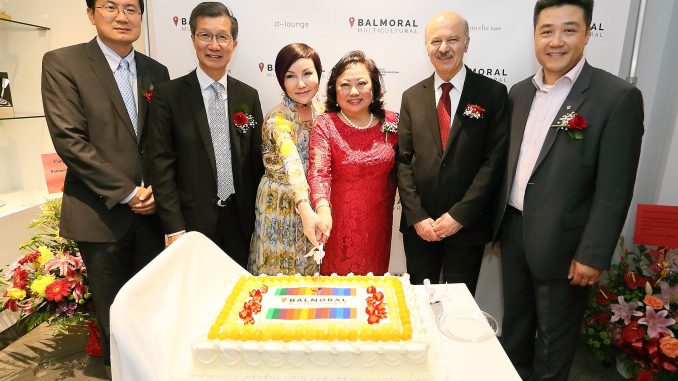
x=224, y=203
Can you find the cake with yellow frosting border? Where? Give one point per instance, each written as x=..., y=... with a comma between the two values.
x=349, y=327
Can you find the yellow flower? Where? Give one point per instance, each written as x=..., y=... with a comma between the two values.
x=40, y=284
x=16, y=293
x=45, y=255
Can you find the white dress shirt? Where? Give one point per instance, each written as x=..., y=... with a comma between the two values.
x=206, y=88
x=547, y=101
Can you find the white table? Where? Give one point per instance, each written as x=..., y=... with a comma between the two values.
x=156, y=317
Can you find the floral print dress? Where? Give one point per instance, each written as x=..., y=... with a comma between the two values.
x=278, y=243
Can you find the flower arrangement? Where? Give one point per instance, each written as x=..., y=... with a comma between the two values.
x=149, y=93
x=474, y=111
x=571, y=122
x=243, y=120
x=390, y=126
x=48, y=282
x=631, y=315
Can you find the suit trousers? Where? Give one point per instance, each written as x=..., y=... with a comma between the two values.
x=542, y=318
x=459, y=264
x=230, y=236
x=111, y=264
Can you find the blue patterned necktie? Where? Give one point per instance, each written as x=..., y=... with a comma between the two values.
x=220, y=141
x=122, y=77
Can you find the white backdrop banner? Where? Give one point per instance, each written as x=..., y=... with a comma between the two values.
x=390, y=32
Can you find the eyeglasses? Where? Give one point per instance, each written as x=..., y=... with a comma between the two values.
x=111, y=12
x=221, y=39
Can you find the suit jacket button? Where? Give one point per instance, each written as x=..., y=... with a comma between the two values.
x=141, y=151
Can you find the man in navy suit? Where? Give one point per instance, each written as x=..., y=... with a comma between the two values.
x=574, y=146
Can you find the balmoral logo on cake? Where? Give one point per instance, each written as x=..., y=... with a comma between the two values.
x=290, y=297
x=499, y=74
x=383, y=25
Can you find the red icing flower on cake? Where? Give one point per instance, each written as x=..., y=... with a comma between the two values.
x=252, y=306
x=256, y=295
x=376, y=307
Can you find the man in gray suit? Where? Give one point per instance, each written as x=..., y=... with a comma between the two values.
x=574, y=146
x=95, y=97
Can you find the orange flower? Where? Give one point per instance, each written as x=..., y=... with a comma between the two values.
x=669, y=345
x=653, y=302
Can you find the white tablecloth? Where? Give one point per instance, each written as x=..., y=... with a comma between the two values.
x=154, y=319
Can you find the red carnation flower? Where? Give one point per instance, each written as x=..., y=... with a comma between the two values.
x=58, y=290
x=577, y=122
x=477, y=108
x=239, y=118
x=633, y=332
x=20, y=278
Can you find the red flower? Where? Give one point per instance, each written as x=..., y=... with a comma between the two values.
x=604, y=296
x=633, y=280
x=29, y=258
x=577, y=122
x=20, y=278
x=58, y=290
x=256, y=295
x=264, y=289
x=148, y=95
x=10, y=304
x=477, y=108
x=601, y=318
x=371, y=290
x=373, y=319
x=633, y=332
x=645, y=375
x=239, y=118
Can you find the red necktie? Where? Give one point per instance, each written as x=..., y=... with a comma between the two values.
x=444, y=110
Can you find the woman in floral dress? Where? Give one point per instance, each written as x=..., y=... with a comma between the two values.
x=283, y=214
x=352, y=170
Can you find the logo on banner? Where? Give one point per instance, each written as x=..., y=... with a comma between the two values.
x=266, y=69
x=292, y=24
x=497, y=73
x=484, y=28
x=597, y=29
x=383, y=26
x=181, y=23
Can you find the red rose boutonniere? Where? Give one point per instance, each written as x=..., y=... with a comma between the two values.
x=243, y=121
x=149, y=94
x=573, y=123
x=474, y=111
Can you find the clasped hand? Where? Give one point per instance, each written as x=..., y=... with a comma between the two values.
x=143, y=201
x=316, y=226
x=432, y=231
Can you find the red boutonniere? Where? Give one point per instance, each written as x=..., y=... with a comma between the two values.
x=573, y=123
x=474, y=111
x=243, y=120
x=149, y=94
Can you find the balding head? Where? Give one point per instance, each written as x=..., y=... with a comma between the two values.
x=446, y=42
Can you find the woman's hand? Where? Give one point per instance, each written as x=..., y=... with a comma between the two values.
x=314, y=228
x=325, y=214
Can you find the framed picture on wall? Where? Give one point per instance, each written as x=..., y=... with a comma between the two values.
x=6, y=107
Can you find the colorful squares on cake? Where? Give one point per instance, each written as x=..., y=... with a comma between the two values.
x=325, y=291
x=310, y=313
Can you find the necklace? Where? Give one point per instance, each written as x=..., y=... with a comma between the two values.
x=350, y=123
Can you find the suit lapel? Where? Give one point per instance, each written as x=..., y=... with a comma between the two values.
x=571, y=104
x=198, y=108
x=522, y=102
x=468, y=93
x=143, y=85
x=427, y=93
x=102, y=70
x=235, y=104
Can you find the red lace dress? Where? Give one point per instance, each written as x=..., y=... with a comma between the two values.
x=355, y=171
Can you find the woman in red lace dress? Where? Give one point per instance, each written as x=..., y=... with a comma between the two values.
x=352, y=169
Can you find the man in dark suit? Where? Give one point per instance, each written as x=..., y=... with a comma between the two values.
x=204, y=147
x=95, y=105
x=452, y=147
x=573, y=153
